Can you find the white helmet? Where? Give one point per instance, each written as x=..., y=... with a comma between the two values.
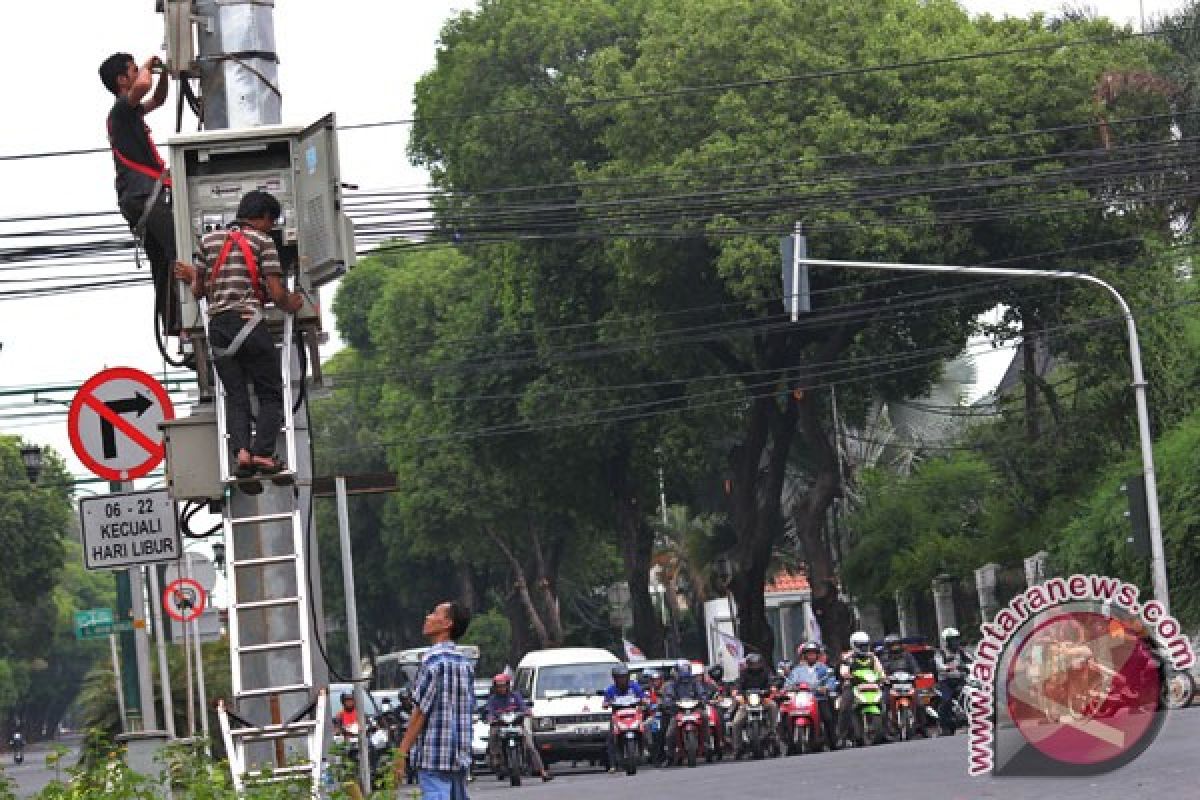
x=948, y=634
x=860, y=641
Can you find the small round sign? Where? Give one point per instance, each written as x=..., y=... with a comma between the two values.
x=184, y=600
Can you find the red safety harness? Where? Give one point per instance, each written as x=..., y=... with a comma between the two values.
x=153, y=173
x=235, y=235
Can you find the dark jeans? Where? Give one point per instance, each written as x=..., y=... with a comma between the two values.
x=159, y=244
x=255, y=363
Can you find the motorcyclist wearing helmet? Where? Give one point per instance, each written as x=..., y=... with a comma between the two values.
x=502, y=700
x=652, y=685
x=953, y=662
x=684, y=686
x=622, y=686
x=821, y=679
x=756, y=678
x=896, y=659
x=859, y=657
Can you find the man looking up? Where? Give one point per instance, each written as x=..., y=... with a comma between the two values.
x=439, y=734
x=143, y=184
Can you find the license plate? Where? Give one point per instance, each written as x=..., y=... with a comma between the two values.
x=590, y=729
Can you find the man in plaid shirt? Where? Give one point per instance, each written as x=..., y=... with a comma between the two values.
x=438, y=739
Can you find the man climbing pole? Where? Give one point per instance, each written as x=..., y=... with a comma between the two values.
x=239, y=271
x=143, y=183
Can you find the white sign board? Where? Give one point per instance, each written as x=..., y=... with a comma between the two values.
x=129, y=529
x=209, y=624
x=199, y=568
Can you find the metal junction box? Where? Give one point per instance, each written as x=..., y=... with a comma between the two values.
x=212, y=170
x=193, y=472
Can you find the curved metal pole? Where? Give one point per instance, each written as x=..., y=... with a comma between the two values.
x=1158, y=558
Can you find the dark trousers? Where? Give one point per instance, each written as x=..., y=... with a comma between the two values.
x=948, y=689
x=828, y=726
x=158, y=241
x=256, y=364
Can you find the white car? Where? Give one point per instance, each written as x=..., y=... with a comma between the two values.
x=565, y=687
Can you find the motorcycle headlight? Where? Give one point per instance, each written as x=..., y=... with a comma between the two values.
x=543, y=724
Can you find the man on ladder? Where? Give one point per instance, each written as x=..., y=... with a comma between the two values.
x=143, y=184
x=240, y=270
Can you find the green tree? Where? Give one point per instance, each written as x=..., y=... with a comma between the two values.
x=644, y=210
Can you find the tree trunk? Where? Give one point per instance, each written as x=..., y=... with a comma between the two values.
x=521, y=587
x=755, y=502
x=551, y=614
x=637, y=552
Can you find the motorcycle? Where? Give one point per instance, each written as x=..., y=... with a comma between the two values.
x=926, y=686
x=866, y=709
x=689, y=724
x=628, y=732
x=716, y=733
x=18, y=748
x=511, y=733
x=726, y=710
x=801, y=720
x=960, y=718
x=757, y=733
x=902, y=705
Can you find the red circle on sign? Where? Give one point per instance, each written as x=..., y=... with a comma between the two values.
x=175, y=591
x=81, y=400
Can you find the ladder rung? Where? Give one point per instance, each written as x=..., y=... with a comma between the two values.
x=294, y=729
x=278, y=774
x=263, y=648
x=263, y=561
x=279, y=517
x=275, y=602
x=270, y=690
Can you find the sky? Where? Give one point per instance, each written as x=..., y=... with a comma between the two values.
x=360, y=62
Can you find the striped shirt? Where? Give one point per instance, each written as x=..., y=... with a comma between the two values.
x=233, y=291
x=444, y=691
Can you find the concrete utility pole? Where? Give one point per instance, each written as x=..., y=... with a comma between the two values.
x=240, y=89
x=1158, y=560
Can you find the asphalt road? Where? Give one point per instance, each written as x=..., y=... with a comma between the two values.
x=918, y=770
x=32, y=776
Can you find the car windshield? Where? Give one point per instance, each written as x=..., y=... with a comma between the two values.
x=572, y=679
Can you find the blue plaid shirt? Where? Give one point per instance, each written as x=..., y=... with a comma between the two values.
x=444, y=691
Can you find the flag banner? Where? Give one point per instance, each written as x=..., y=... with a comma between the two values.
x=733, y=646
x=810, y=622
x=633, y=652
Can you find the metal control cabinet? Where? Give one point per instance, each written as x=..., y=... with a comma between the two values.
x=212, y=170
x=191, y=447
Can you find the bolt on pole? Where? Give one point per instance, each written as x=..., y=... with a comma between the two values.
x=1158, y=557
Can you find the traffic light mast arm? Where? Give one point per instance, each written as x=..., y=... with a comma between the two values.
x=1158, y=551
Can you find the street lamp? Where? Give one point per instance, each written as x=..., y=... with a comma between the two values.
x=1158, y=558
x=31, y=455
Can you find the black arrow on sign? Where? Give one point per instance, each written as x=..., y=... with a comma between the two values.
x=108, y=435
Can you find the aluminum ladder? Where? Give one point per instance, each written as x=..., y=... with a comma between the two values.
x=275, y=729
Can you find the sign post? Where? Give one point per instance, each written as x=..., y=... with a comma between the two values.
x=113, y=427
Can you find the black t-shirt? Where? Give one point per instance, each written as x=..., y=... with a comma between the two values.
x=130, y=136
